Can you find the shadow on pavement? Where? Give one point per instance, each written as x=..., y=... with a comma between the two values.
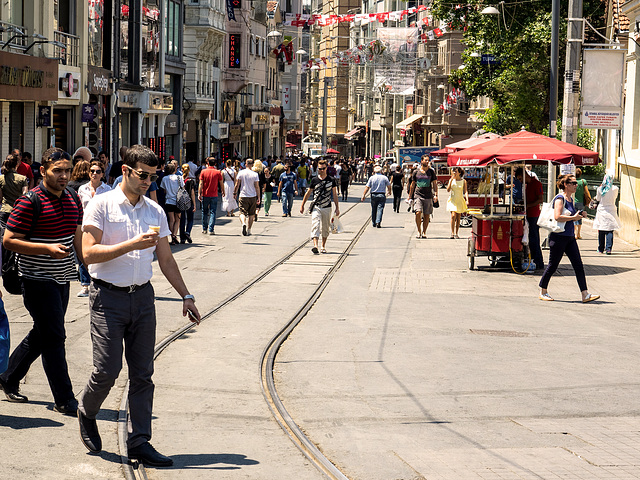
x=19, y=423
x=233, y=461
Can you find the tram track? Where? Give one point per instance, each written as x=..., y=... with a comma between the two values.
x=134, y=470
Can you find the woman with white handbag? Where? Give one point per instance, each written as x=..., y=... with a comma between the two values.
x=564, y=242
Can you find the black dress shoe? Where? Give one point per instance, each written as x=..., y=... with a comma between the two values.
x=13, y=394
x=148, y=455
x=89, y=433
x=68, y=408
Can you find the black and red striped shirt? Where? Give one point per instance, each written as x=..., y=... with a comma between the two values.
x=57, y=223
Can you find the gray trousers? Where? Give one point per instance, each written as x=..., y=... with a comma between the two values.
x=122, y=319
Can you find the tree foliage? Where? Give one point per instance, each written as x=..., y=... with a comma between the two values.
x=520, y=39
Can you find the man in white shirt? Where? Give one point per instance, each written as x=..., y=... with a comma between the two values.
x=121, y=231
x=248, y=186
x=193, y=167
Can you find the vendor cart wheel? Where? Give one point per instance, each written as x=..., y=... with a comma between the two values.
x=493, y=261
x=466, y=220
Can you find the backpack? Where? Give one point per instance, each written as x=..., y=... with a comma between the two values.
x=10, y=278
x=183, y=200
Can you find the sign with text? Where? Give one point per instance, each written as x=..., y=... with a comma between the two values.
x=23, y=77
x=234, y=50
x=602, y=88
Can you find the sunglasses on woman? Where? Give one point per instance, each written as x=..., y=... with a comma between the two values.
x=572, y=183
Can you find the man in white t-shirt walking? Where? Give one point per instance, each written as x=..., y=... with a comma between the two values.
x=248, y=186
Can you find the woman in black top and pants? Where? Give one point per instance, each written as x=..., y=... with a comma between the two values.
x=397, y=184
x=565, y=242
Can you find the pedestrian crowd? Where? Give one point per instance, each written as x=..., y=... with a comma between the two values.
x=80, y=217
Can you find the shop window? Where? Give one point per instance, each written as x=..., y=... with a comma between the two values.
x=150, y=43
x=124, y=40
x=62, y=17
x=173, y=26
x=96, y=24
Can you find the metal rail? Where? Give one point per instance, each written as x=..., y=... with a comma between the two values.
x=269, y=391
x=134, y=470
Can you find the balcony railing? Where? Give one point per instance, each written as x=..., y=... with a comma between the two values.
x=70, y=53
x=13, y=37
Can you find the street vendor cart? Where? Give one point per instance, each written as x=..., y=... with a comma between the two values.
x=499, y=230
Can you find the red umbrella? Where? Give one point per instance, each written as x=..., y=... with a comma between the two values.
x=331, y=150
x=523, y=146
x=289, y=145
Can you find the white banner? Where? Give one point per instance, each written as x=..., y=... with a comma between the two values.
x=398, y=73
x=602, y=88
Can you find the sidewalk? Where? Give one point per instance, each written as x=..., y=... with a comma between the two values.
x=424, y=369
x=409, y=366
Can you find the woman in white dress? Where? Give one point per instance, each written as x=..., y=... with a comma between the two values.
x=229, y=203
x=606, y=220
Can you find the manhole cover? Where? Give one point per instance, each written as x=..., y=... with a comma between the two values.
x=500, y=333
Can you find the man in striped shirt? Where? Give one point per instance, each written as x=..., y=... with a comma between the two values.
x=45, y=239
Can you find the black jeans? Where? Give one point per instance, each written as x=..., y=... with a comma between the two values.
x=558, y=246
x=47, y=302
x=344, y=190
x=397, y=196
x=534, y=242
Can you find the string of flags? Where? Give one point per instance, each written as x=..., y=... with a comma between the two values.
x=302, y=19
x=451, y=99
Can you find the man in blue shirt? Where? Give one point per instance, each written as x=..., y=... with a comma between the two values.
x=286, y=189
x=378, y=184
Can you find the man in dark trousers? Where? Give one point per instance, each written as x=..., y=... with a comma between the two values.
x=121, y=231
x=46, y=265
x=535, y=198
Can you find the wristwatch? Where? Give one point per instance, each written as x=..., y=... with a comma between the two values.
x=189, y=297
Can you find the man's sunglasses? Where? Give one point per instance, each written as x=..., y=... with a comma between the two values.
x=59, y=155
x=143, y=175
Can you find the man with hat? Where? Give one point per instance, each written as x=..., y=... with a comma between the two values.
x=379, y=185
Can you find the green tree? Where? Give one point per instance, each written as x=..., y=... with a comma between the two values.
x=519, y=39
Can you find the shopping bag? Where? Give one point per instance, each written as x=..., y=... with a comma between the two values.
x=547, y=219
x=336, y=224
x=4, y=338
x=525, y=234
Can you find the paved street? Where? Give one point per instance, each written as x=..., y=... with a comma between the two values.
x=409, y=366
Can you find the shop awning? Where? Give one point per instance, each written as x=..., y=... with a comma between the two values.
x=353, y=133
x=407, y=122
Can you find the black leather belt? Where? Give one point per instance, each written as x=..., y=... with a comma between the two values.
x=111, y=286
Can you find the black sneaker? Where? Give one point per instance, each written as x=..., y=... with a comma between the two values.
x=315, y=250
x=89, y=433
x=148, y=455
x=244, y=230
x=13, y=394
x=68, y=408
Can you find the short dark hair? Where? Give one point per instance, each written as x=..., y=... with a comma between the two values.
x=140, y=154
x=27, y=155
x=123, y=152
x=211, y=161
x=52, y=155
x=519, y=172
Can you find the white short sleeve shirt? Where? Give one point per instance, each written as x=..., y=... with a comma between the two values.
x=119, y=221
x=248, y=179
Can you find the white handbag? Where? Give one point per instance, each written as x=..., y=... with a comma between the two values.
x=547, y=219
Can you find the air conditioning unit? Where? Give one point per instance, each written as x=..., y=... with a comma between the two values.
x=219, y=131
